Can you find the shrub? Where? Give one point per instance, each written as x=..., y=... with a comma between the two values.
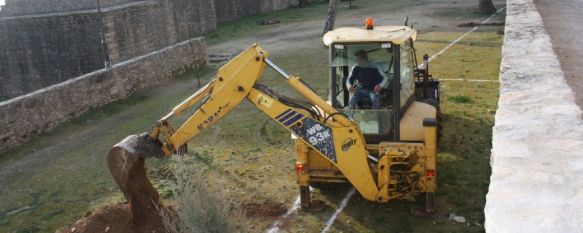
x=459, y=99
x=200, y=208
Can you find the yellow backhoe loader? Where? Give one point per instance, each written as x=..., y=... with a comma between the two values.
x=386, y=151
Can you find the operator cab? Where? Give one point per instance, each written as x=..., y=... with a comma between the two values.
x=389, y=50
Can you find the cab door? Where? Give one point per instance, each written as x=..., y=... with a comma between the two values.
x=376, y=124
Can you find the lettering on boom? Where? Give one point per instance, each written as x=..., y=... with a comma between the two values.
x=318, y=135
x=211, y=117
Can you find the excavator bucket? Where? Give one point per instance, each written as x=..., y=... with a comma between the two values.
x=129, y=155
x=126, y=162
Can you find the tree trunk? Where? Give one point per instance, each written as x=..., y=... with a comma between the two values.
x=486, y=7
x=329, y=26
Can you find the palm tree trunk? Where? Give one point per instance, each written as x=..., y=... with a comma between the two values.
x=486, y=7
x=329, y=26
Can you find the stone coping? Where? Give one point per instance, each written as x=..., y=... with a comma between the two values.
x=537, y=153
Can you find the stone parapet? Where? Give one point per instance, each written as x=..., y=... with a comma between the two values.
x=538, y=135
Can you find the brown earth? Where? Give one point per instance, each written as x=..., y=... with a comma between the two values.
x=144, y=213
x=265, y=210
x=111, y=219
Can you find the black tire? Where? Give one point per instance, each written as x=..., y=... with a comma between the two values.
x=323, y=186
x=430, y=202
x=305, y=199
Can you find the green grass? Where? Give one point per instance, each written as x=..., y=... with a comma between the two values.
x=468, y=59
x=250, y=165
x=459, y=99
x=463, y=157
x=74, y=178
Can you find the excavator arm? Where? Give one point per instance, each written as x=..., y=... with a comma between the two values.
x=314, y=122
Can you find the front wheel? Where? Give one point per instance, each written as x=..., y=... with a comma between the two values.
x=430, y=202
x=305, y=197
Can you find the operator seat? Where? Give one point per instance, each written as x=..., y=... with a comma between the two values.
x=364, y=102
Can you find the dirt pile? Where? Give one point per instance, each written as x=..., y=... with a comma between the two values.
x=126, y=162
x=112, y=219
x=197, y=210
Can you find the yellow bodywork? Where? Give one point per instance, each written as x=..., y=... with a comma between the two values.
x=330, y=145
x=411, y=124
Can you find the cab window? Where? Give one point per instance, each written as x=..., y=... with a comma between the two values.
x=407, y=80
x=344, y=59
x=372, y=122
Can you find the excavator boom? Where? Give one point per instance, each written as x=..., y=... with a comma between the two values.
x=314, y=122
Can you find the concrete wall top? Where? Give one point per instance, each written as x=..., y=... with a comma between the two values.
x=538, y=135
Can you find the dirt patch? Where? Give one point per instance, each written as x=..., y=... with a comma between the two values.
x=266, y=210
x=474, y=24
x=110, y=219
x=267, y=21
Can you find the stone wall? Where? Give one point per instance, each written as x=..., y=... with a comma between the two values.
x=152, y=25
x=33, y=7
x=42, y=110
x=36, y=52
x=232, y=9
x=42, y=50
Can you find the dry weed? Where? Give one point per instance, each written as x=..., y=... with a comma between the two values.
x=200, y=208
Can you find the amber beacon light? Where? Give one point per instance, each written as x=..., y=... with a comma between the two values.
x=369, y=23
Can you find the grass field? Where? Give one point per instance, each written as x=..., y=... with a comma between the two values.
x=259, y=162
x=250, y=159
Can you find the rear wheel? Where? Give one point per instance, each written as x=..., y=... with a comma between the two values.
x=305, y=197
x=430, y=202
x=323, y=186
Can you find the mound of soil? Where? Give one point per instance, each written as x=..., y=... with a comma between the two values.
x=266, y=210
x=144, y=213
x=112, y=219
